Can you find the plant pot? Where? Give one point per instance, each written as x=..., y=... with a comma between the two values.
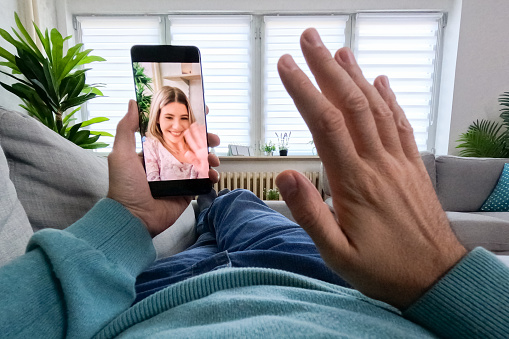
x=283, y=152
x=268, y=153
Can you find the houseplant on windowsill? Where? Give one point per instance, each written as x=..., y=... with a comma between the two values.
x=268, y=148
x=283, y=140
x=52, y=82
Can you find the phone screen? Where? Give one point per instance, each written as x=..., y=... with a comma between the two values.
x=169, y=92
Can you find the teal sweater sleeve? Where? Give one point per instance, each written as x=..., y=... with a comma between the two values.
x=471, y=301
x=73, y=282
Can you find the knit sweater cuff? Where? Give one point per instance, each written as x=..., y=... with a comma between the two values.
x=123, y=238
x=470, y=301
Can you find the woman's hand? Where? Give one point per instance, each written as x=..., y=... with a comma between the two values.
x=389, y=237
x=128, y=181
x=197, y=155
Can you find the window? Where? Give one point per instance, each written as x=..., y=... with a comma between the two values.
x=247, y=101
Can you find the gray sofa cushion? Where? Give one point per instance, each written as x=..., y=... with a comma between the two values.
x=56, y=181
x=463, y=184
x=490, y=231
x=15, y=229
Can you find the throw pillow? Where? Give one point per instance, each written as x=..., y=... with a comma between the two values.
x=498, y=201
x=56, y=181
x=15, y=229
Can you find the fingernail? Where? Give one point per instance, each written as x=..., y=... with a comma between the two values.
x=346, y=56
x=286, y=184
x=287, y=62
x=385, y=81
x=312, y=37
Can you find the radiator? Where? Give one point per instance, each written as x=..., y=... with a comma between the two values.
x=258, y=182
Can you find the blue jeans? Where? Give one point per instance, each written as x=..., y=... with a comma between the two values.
x=239, y=230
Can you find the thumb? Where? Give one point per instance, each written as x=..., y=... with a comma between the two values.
x=124, y=138
x=310, y=212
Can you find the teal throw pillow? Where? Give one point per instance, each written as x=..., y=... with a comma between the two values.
x=498, y=201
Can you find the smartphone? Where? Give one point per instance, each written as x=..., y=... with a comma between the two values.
x=169, y=92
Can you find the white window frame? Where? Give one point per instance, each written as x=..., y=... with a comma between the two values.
x=257, y=99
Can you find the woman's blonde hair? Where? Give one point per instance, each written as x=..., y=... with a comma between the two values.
x=166, y=95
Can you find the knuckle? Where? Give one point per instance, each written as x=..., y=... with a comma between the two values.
x=355, y=102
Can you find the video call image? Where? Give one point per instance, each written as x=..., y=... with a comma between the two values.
x=172, y=120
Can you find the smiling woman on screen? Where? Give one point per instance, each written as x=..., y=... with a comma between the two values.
x=175, y=147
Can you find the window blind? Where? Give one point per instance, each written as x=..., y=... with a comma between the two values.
x=282, y=35
x=112, y=39
x=225, y=46
x=405, y=48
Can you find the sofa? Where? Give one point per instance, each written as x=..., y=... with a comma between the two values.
x=48, y=182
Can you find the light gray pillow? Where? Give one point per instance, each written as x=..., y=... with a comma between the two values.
x=464, y=184
x=15, y=229
x=56, y=181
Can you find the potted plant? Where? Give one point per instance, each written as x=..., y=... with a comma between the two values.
x=268, y=148
x=271, y=194
x=143, y=99
x=487, y=139
x=283, y=140
x=51, y=82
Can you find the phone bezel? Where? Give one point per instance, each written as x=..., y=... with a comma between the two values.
x=183, y=54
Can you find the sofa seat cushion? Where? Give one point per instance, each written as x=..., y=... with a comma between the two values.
x=56, y=181
x=489, y=230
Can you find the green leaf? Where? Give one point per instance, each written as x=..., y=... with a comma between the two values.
x=80, y=137
x=45, y=42
x=90, y=58
x=63, y=71
x=94, y=121
x=7, y=55
x=68, y=116
x=89, y=140
x=27, y=36
x=484, y=139
x=58, y=46
x=11, y=66
x=14, y=77
x=101, y=133
x=95, y=145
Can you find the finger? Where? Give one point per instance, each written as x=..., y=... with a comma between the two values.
x=213, y=139
x=325, y=121
x=195, y=137
x=405, y=131
x=213, y=175
x=206, y=109
x=125, y=140
x=342, y=92
x=213, y=160
x=383, y=115
x=311, y=213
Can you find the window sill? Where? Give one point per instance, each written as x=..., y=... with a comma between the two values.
x=269, y=158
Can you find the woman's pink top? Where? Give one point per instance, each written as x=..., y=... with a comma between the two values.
x=161, y=165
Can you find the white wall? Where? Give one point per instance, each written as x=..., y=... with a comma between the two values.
x=7, y=99
x=482, y=67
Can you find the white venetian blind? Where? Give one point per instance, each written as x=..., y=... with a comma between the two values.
x=405, y=48
x=282, y=36
x=112, y=39
x=224, y=43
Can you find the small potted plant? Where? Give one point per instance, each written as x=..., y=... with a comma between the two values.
x=268, y=148
x=283, y=139
x=271, y=194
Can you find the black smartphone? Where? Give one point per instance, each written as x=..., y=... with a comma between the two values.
x=169, y=91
